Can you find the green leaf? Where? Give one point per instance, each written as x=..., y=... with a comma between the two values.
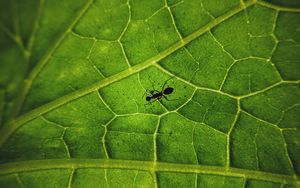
x=74, y=76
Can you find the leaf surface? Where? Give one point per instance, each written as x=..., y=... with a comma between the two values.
x=74, y=76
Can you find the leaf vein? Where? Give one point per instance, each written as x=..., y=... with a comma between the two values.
x=9, y=128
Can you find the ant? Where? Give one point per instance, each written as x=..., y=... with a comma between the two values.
x=157, y=95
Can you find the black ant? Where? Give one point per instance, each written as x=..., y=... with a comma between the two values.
x=157, y=95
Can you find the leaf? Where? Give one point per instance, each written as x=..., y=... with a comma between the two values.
x=74, y=76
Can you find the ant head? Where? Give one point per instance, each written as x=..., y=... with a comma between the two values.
x=148, y=98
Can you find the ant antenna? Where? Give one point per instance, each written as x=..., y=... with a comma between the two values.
x=151, y=81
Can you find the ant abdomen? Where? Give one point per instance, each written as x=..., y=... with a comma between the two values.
x=168, y=90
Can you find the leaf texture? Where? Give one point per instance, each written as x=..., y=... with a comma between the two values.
x=74, y=76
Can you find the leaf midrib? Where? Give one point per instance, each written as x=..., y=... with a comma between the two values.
x=9, y=128
x=36, y=165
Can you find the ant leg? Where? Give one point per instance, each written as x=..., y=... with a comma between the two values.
x=145, y=93
x=166, y=82
x=153, y=89
x=150, y=92
x=148, y=103
x=169, y=99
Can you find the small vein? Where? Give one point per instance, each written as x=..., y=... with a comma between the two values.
x=206, y=11
x=173, y=19
x=244, y=182
x=62, y=135
x=136, y=105
x=274, y=23
x=193, y=85
x=247, y=17
x=176, y=4
x=249, y=83
x=16, y=20
x=9, y=34
x=105, y=104
x=19, y=180
x=71, y=178
x=154, y=178
x=291, y=107
x=91, y=49
x=256, y=149
x=268, y=88
x=194, y=73
x=155, y=140
x=155, y=13
x=269, y=102
x=65, y=144
x=209, y=126
x=187, y=101
x=123, y=32
x=287, y=153
x=253, y=57
x=134, y=179
x=81, y=36
x=91, y=61
x=133, y=114
x=226, y=74
x=52, y=122
x=139, y=80
x=230, y=131
x=124, y=54
x=207, y=109
x=196, y=180
x=190, y=54
x=221, y=45
x=97, y=69
x=261, y=120
x=280, y=118
x=105, y=177
x=130, y=133
x=16, y=39
x=198, y=63
x=273, y=35
x=35, y=26
x=193, y=145
x=152, y=36
x=128, y=20
x=103, y=140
